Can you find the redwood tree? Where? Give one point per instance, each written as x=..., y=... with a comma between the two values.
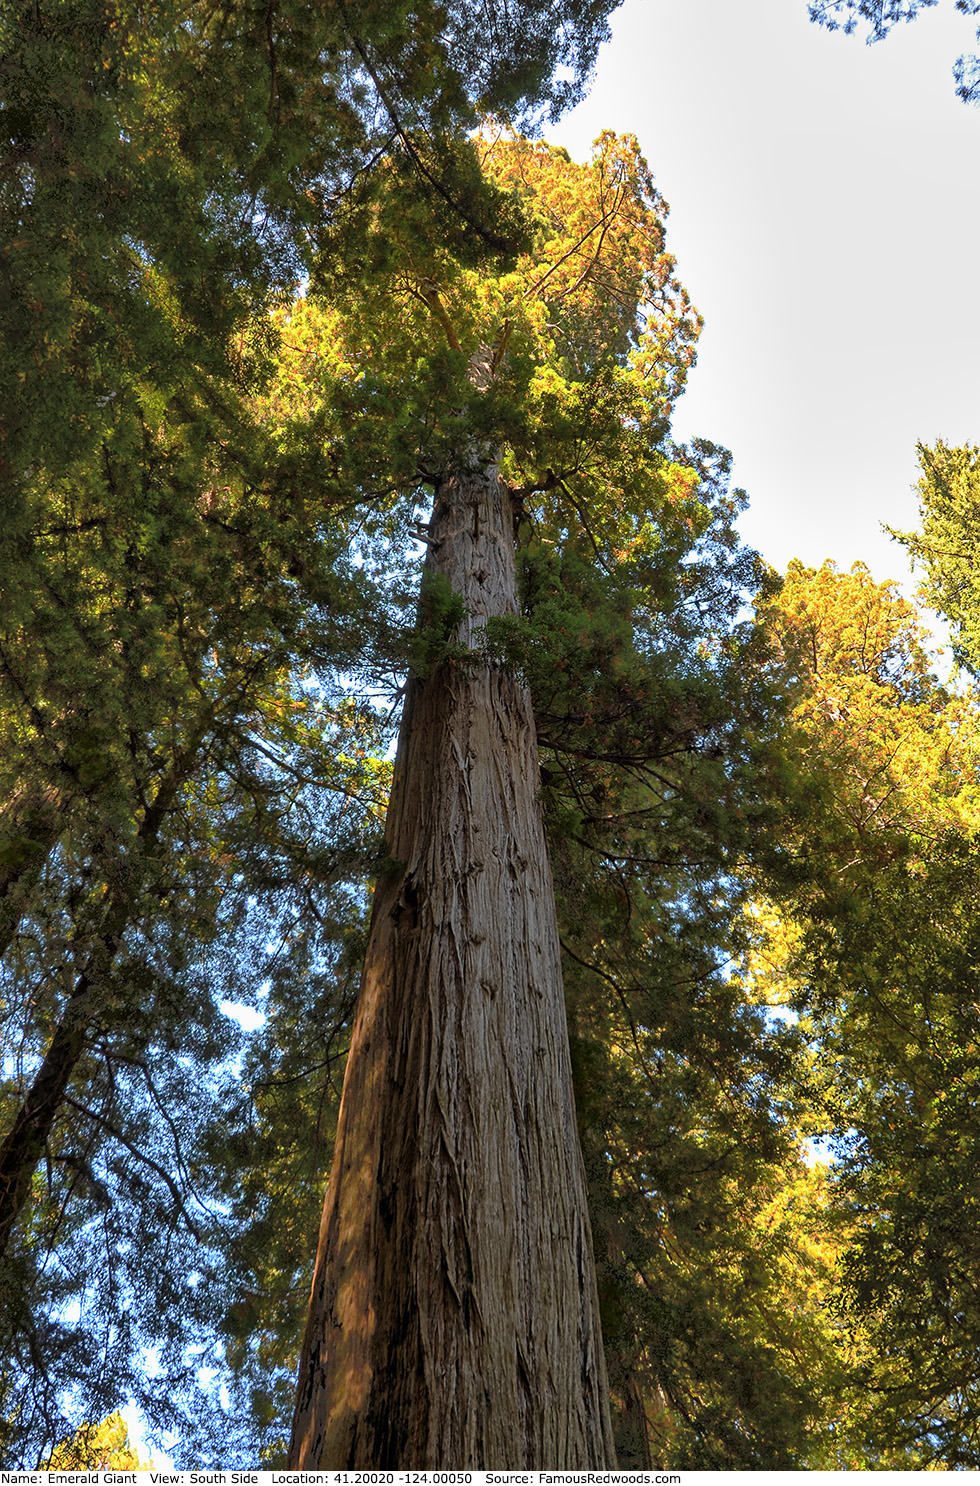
x=167, y=176
x=453, y=1318
x=147, y=158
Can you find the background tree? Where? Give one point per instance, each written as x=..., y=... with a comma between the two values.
x=945, y=549
x=881, y=935
x=659, y=724
x=125, y=1236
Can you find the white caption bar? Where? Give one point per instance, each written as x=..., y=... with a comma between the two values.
x=156, y=1477
x=351, y=1478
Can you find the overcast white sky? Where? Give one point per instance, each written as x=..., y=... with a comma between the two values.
x=825, y=215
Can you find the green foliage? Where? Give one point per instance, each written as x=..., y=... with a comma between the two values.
x=658, y=724
x=191, y=601
x=253, y=898
x=947, y=544
x=440, y=613
x=172, y=173
x=208, y=571
x=874, y=949
x=905, y=1069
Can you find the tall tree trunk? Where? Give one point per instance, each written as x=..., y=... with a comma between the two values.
x=453, y=1317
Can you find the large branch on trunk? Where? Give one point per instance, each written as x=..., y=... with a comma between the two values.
x=25, y=1143
x=27, y=1139
x=31, y=822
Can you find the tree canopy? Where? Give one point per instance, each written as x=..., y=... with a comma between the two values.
x=267, y=275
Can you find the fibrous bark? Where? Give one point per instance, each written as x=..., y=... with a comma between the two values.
x=453, y=1318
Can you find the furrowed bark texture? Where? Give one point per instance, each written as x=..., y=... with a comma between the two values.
x=453, y=1318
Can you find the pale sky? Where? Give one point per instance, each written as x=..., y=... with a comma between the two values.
x=825, y=215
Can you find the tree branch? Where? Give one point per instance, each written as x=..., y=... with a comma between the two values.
x=161, y=1172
